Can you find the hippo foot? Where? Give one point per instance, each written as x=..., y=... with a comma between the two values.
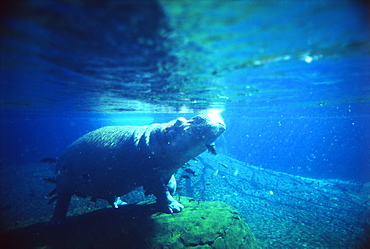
x=174, y=207
x=171, y=206
x=118, y=202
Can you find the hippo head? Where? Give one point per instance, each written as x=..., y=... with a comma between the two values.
x=201, y=129
x=188, y=138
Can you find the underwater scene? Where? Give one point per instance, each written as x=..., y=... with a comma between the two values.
x=185, y=124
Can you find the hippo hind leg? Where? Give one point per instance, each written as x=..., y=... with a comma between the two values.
x=61, y=208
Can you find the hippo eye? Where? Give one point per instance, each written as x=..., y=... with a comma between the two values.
x=167, y=129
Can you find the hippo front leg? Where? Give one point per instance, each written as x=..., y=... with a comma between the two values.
x=60, y=210
x=164, y=197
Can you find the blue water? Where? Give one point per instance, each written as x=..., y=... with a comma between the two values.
x=291, y=78
x=293, y=83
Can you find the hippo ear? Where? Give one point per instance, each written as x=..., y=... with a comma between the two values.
x=180, y=122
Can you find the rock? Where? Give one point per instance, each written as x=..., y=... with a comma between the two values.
x=201, y=225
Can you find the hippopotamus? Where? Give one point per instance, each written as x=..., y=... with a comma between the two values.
x=112, y=161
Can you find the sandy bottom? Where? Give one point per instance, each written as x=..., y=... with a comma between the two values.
x=283, y=211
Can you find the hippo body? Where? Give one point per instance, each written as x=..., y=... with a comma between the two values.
x=113, y=161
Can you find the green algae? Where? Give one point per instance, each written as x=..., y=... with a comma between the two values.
x=203, y=225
